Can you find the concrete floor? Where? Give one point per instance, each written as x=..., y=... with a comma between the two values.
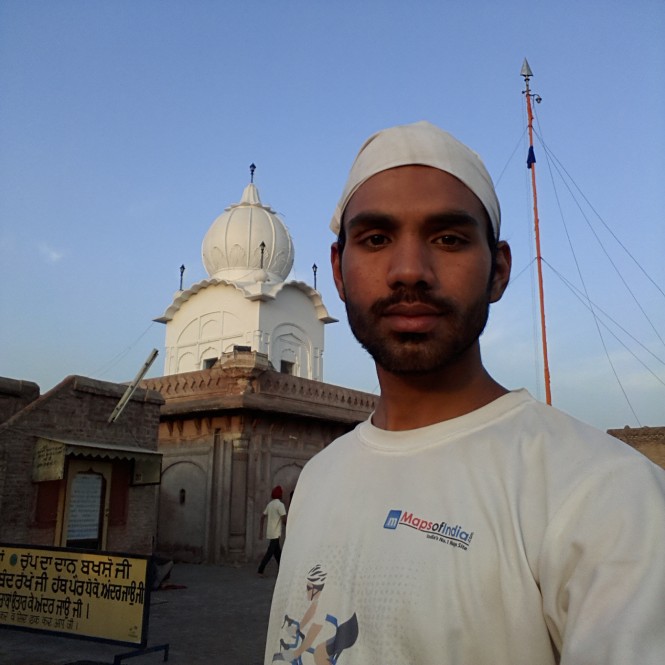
x=220, y=618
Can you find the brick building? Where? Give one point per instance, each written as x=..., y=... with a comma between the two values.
x=229, y=434
x=68, y=477
x=650, y=441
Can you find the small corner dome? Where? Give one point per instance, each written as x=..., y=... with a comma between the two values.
x=231, y=248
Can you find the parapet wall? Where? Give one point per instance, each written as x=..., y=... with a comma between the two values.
x=235, y=386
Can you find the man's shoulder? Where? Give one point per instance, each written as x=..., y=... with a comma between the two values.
x=334, y=452
x=573, y=438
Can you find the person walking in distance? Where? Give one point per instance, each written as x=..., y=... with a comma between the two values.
x=275, y=516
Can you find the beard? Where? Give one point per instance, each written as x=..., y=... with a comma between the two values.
x=418, y=353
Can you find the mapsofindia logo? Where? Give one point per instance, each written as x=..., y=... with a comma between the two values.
x=441, y=531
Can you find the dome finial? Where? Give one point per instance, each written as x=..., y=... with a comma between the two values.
x=252, y=168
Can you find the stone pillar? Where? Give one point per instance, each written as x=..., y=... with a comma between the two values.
x=225, y=494
x=218, y=508
x=238, y=519
x=251, y=527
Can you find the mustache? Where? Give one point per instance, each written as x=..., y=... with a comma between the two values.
x=411, y=295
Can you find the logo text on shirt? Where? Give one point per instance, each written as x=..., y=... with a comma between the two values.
x=441, y=531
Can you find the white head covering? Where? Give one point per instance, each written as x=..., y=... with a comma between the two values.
x=424, y=144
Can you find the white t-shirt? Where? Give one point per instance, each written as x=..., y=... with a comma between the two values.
x=513, y=535
x=274, y=512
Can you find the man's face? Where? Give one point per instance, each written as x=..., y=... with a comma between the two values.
x=415, y=270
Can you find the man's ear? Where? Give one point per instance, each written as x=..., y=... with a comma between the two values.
x=336, y=262
x=501, y=276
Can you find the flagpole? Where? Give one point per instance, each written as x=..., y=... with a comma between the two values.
x=531, y=164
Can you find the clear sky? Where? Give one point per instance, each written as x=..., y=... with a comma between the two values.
x=127, y=127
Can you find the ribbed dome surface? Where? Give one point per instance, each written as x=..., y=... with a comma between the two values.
x=232, y=246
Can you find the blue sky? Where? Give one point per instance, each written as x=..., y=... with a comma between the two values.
x=127, y=127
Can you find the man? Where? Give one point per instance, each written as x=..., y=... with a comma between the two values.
x=275, y=514
x=463, y=524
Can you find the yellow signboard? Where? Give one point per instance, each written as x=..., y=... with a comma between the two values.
x=94, y=595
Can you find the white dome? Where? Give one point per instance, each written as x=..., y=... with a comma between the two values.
x=231, y=249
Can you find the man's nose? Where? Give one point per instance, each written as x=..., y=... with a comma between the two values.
x=411, y=264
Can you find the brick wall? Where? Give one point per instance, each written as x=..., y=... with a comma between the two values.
x=78, y=410
x=650, y=441
x=15, y=395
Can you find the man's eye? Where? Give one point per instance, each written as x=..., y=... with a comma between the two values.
x=449, y=240
x=376, y=240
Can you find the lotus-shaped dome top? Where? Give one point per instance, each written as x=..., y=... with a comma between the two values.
x=248, y=242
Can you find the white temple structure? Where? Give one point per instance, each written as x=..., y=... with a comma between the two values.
x=245, y=301
x=245, y=404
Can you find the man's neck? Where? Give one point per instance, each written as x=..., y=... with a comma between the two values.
x=413, y=401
